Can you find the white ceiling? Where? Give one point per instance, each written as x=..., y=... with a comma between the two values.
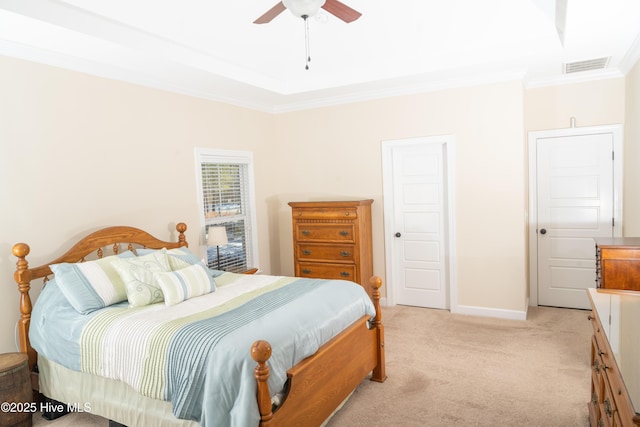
x=211, y=48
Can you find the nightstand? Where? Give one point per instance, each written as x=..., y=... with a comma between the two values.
x=16, y=395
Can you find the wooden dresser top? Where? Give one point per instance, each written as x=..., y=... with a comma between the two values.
x=321, y=204
x=620, y=242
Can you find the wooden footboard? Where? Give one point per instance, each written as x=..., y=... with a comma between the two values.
x=320, y=383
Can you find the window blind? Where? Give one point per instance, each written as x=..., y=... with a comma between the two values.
x=226, y=202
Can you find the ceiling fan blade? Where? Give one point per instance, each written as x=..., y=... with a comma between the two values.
x=271, y=13
x=341, y=11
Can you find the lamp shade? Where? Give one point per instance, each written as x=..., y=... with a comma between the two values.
x=217, y=236
x=302, y=8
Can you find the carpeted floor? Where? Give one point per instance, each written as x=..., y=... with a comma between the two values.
x=451, y=370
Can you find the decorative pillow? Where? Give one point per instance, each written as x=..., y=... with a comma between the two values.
x=180, y=258
x=137, y=275
x=180, y=285
x=91, y=285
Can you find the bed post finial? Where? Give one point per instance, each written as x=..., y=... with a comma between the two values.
x=181, y=227
x=379, y=372
x=261, y=352
x=22, y=276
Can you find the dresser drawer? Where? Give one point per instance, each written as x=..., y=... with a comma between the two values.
x=596, y=396
x=608, y=410
x=325, y=213
x=598, y=334
x=323, y=252
x=324, y=232
x=618, y=391
x=326, y=271
x=628, y=254
x=620, y=274
x=618, y=263
x=597, y=389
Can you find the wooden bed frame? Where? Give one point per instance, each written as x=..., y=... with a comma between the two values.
x=315, y=387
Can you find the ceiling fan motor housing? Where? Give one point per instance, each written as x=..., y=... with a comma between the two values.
x=302, y=8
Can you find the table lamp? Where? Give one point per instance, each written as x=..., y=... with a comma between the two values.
x=217, y=237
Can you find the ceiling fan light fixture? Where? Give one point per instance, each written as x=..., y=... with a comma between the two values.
x=303, y=8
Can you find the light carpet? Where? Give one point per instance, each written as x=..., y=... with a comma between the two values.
x=450, y=370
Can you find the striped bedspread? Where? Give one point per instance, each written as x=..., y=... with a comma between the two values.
x=197, y=354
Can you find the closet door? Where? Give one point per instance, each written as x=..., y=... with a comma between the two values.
x=575, y=203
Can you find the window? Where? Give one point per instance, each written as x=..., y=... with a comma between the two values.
x=225, y=183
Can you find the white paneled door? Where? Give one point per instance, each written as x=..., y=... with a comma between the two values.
x=575, y=203
x=417, y=228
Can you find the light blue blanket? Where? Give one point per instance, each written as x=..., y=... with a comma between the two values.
x=206, y=370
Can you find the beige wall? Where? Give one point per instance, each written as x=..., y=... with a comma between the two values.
x=81, y=152
x=336, y=153
x=631, y=206
x=599, y=102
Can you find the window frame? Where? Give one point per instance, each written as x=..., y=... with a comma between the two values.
x=219, y=156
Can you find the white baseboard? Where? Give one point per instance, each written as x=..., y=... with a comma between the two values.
x=500, y=313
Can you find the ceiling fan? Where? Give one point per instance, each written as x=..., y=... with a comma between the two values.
x=307, y=8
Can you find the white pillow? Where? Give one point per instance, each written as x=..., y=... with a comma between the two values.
x=180, y=285
x=137, y=275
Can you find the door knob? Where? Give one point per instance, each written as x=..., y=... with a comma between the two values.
x=543, y=231
x=398, y=234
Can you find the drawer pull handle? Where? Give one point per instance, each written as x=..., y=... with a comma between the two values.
x=600, y=352
x=345, y=253
x=305, y=232
x=344, y=233
x=345, y=274
x=306, y=251
x=306, y=270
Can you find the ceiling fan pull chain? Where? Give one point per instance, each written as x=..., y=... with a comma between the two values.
x=306, y=41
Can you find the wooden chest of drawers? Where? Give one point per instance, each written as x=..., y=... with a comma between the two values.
x=618, y=263
x=615, y=359
x=332, y=240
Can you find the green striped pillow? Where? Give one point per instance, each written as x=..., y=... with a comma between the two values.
x=181, y=285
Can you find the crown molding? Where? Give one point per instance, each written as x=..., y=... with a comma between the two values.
x=244, y=96
x=108, y=71
x=410, y=85
x=631, y=57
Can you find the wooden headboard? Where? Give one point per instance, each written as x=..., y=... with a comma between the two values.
x=96, y=242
